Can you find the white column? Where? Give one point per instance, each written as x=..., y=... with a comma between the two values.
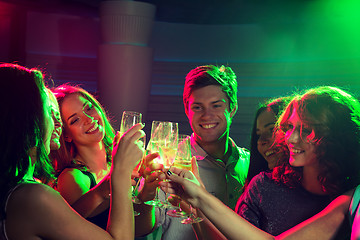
x=125, y=60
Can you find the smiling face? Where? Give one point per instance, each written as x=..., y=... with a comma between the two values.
x=209, y=114
x=55, y=113
x=82, y=121
x=264, y=130
x=302, y=150
x=49, y=123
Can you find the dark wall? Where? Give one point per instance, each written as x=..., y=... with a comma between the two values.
x=271, y=58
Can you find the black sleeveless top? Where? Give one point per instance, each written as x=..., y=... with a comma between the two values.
x=102, y=218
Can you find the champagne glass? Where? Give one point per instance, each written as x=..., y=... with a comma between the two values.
x=191, y=218
x=129, y=119
x=183, y=161
x=164, y=139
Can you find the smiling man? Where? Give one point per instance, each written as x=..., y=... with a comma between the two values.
x=210, y=101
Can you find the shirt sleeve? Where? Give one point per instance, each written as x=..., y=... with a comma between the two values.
x=248, y=205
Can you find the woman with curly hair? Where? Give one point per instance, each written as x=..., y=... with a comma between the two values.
x=321, y=129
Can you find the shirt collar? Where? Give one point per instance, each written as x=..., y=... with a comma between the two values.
x=196, y=150
x=201, y=154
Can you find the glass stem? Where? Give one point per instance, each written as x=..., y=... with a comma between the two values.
x=137, y=185
x=157, y=194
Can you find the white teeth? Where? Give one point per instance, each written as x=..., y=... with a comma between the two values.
x=208, y=125
x=268, y=153
x=296, y=151
x=93, y=128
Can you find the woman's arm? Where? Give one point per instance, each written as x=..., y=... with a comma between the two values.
x=205, y=230
x=36, y=210
x=152, y=175
x=128, y=150
x=323, y=225
x=186, y=186
x=74, y=187
x=220, y=215
x=72, y=184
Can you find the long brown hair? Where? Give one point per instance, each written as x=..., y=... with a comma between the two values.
x=334, y=117
x=257, y=161
x=64, y=157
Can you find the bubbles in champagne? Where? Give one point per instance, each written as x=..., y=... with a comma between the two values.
x=182, y=163
x=167, y=154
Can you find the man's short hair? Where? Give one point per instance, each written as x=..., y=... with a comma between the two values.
x=207, y=75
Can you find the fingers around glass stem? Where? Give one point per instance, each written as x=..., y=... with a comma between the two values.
x=177, y=212
x=134, y=197
x=156, y=201
x=191, y=218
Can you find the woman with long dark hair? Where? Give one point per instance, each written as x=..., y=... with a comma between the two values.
x=264, y=152
x=32, y=210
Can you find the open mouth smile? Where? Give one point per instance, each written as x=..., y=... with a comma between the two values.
x=270, y=152
x=294, y=151
x=208, y=126
x=91, y=130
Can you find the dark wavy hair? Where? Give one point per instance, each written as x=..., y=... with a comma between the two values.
x=333, y=116
x=22, y=125
x=64, y=157
x=207, y=75
x=257, y=161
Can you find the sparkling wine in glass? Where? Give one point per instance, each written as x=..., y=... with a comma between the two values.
x=183, y=161
x=129, y=119
x=164, y=140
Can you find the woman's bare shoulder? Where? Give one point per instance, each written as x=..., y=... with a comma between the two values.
x=29, y=194
x=38, y=210
x=72, y=175
x=30, y=206
x=70, y=171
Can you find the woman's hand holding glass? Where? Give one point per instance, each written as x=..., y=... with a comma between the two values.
x=164, y=139
x=152, y=173
x=183, y=161
x=184, y=184
x=128, y=120
x=127, y=152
